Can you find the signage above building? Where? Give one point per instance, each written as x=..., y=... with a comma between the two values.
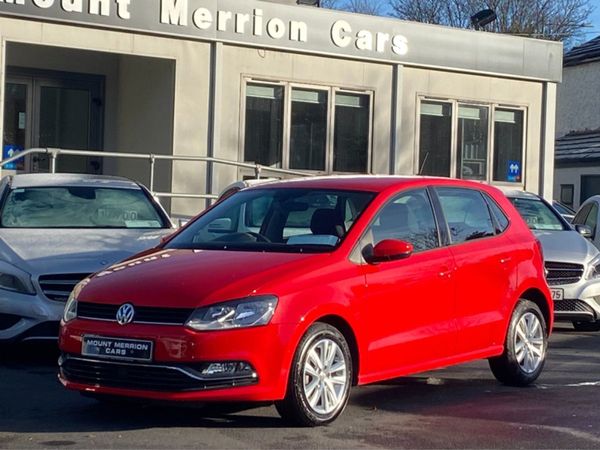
x=310, y=30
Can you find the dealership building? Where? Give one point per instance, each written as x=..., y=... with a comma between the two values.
x=293, y=87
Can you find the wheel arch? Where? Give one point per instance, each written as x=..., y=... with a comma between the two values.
x=346, y=329
x=537, y=296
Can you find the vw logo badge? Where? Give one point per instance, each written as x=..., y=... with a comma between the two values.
x=125, y=314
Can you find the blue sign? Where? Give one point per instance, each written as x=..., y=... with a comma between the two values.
x=514, y=171
x=8, y=151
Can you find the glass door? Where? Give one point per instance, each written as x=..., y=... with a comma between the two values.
x=62, y=110
x=17, y=120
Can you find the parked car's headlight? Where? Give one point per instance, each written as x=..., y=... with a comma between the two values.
x=594, y=268
x=248, y=312
x=14, y=279
x=70, y=312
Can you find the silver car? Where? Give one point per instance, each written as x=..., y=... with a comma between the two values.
x=588, y=215
x=572, y=262
x=56, y=229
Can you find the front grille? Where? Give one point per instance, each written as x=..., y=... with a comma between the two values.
x=149, y=377
x=572, y=306
x=58, y=287
x=143, y=314
x=559, y=273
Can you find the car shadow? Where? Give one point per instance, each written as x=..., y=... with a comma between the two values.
x=32, y=392
x=32, y=399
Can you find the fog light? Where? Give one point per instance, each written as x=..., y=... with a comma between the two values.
x=230, y=369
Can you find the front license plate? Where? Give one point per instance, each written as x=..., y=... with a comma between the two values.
x=557, y=294
x=104, y=347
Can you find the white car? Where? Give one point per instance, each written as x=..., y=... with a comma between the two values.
x=588, y=215
x=55, y=230
x=572, y=262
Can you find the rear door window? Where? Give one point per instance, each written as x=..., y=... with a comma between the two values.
x=466, y=213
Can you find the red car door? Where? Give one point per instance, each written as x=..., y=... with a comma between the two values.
x=485, y=269
x=409, y=304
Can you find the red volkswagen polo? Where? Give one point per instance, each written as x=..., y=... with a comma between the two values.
x=294, y=291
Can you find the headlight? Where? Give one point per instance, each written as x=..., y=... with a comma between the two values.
x=594, y=268
x=15, y=280
x=70, y=312
x=248, y=312
x=13, y=283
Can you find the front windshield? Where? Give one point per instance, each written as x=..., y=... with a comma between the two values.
x=79, y=207
x=537, y=214
x=276, y=220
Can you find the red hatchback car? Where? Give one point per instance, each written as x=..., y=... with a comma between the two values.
x=291, y=292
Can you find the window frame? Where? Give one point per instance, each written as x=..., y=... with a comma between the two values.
x=491, y=107
x=331, y=91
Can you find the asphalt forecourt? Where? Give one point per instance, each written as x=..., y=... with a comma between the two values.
x=461, y=407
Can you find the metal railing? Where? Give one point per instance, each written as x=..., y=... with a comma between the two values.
x=152, y=158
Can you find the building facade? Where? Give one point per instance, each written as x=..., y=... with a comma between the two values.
x=281, y=85
x=577, y=174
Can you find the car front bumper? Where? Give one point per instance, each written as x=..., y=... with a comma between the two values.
x=179, y=354
x=581, y=302
x=28, y=317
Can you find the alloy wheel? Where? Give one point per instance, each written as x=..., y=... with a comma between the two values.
x=324, y=376
x=529, y=342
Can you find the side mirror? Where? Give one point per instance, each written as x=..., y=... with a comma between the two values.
x=584, y=230
x=388, y=250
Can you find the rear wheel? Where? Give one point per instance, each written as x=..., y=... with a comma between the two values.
x=525, y=347
x=587, y=326
x=320, y=378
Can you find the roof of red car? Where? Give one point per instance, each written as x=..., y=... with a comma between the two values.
x=373, y=183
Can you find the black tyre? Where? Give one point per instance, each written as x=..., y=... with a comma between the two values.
x=320, y=378
x=525, y=347
x=587, y=326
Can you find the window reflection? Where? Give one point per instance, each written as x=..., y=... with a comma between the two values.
x=351, y=141
x=308, y=137
x=264, y=124
x=472, y=142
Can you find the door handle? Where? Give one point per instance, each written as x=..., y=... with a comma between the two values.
x=446, y=272
x=505, y=260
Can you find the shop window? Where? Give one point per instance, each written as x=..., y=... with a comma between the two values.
x=435, y=139
x=567, y=192
x=308, y=136
x=455, y=140
x=264, y=124
x=321, y=129
x=351, y=138
x=508, y=145
x=472, y=142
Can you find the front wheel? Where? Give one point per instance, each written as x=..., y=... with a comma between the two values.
x=525, y=347
x=320, y=378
